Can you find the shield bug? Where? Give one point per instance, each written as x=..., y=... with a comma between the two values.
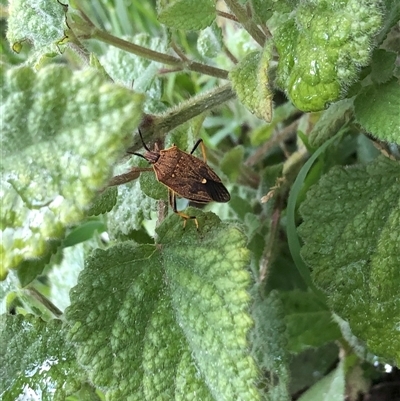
x=185, y=175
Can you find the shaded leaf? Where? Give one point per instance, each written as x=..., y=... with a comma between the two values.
x=329, y=388
x=309, y=323
x=383, y=63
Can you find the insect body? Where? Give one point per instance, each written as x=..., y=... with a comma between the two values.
x=185, y=175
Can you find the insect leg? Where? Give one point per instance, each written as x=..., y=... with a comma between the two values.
x=203, y=149
x=172, y=202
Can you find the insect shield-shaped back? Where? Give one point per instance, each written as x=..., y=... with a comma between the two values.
x=186, y=176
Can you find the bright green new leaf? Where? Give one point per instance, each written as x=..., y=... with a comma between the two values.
x=38, y=22
x=188, y=14
x=60, y=140
x=309, y=323
x=351, y=240
x=168, y=321
x=250, y=82
x=321, y=48
x=377, y=110
x=36, y=362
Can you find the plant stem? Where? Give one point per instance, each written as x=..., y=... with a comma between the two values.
x=156, y=126
x=157, y=56
x=44, y=301
x=193, y=107
x=248, y=24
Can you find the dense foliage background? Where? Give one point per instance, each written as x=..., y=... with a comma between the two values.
x=290, y=290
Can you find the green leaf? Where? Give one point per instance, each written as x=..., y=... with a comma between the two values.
x=209, y=42
x=64, y=275
x=321, y=48
x=232, y=162
x=311, y=365
x=269, y=343
x=383, y=63
x=38, y=22
x=84, y=232
x=188, y=14
x=250, y=82
x=309, y=323
x=136, y=72
x=61, y=140
x=177, y=311
x=264, y=132
x=352, y=242
x=331, y=120
x=132, y=207
x=329, y=388
x=39, y=350
x=103, y=202
x=377, y=110
x=264, y=9
x=152, y=187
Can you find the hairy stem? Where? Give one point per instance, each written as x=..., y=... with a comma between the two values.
x=157, y=126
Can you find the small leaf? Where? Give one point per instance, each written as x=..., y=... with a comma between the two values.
x=331, y=120
x=61, y=139
x=152, y=187
x=321, y=48
x=84, y=232
x=103, y=202
x=232, y=162
x=132, y=207
x=209, y=42
x=39, y=350
x=309, y=324
x=383, y=63
x=135, y=72
x=250, y=82
x=377, y=110
x=352, y=242
x=38, y=22
x=188, y=14
x=329, y=388
x=175, y=310
x=264, y=9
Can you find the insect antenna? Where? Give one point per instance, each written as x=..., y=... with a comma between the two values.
x=144, y=145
